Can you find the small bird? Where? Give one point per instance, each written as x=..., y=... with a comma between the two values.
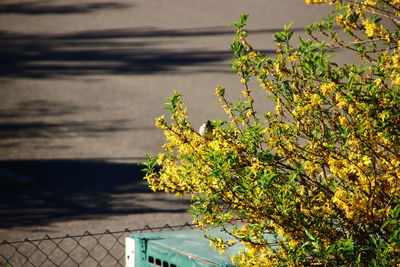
x=206, y=130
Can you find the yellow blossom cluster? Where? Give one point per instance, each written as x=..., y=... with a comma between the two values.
x=396, y=60
x=315, y=2
x=372, y=29
x=328, y=88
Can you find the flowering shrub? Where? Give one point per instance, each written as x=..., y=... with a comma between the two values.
x=322, y=172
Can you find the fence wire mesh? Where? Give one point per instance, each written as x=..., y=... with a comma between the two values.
x=87, y=249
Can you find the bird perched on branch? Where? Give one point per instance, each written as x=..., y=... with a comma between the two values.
x=206, y=130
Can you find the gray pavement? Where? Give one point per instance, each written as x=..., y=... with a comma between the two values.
x=81, y=82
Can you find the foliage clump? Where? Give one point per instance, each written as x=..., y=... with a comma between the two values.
x=322, y=172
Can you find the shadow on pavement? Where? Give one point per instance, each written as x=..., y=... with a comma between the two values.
x=39, y=8
x=65, y=129
x=42, y=118
x=40, y=108
x=115, y=51
x=64, y=190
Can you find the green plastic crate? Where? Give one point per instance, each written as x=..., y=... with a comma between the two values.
x=176, y=249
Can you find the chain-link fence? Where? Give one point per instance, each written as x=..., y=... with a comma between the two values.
x=87, y=249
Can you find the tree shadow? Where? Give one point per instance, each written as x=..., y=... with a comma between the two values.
x=116, y=51
x=88, y=128
x=40, y=108
x=65, y=190
x=44, y=8
x=30, y=119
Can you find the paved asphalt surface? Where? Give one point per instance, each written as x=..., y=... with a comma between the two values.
x=81, y=82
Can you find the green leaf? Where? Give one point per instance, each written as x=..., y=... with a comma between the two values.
x=244, y=18
x=150, y=165
x=242, y=22
x=309, y=234
x=173, y=101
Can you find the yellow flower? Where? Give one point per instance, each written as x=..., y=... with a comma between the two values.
x=316, y=100
x=340, y=196
x=249, y=114
x=269, y=86
x=281, y=69
x=219, y=91
x=343, y=121
x=396, y=60
x=352, y=110
x=366, y=161
x=328, y=88
x=396, y=79
x=342, y=102
x=218, y=244
x=315, y=2
x=293, y=57
x=279, y=108
x=160, y=122
x=372, y=29
x=371, y=2
x=296, y=98
x=378, y=82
